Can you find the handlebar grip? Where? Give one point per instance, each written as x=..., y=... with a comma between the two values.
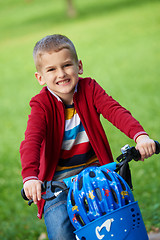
x=24, y=195
x=136, y=153
x=43, y=188
x=157, y=147
x=25, y=198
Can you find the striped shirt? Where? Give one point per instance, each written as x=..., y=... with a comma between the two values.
x=76, y=151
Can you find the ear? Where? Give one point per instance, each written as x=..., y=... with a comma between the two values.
x=40, y=78
x=80, y=65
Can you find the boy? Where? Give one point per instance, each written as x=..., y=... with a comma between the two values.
x=64, y=132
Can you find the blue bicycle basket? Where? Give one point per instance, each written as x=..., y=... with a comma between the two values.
x=98, y=200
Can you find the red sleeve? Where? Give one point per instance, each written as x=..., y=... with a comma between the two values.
x=115, y=113
x=30, y=148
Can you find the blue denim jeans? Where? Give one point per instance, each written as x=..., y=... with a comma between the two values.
x=57, y=220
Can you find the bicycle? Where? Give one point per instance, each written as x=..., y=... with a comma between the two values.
x=100, y=201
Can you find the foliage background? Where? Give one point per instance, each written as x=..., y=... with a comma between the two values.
x=118, y=42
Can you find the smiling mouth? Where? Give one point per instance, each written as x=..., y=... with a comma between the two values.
x=63, y=82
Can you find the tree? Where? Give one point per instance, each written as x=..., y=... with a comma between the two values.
x=71, y=10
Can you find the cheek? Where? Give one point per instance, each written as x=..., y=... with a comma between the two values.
x=73, y=72
x=50, y=77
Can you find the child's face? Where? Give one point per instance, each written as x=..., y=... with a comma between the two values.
x=59, y=71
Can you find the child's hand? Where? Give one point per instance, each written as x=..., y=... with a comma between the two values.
x=32, y=189
x=146, y=146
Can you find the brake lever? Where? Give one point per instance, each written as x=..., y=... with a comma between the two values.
x=128, y=153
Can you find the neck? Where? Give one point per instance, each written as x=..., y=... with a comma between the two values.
x=65, y=98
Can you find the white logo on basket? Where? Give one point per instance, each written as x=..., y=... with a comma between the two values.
x=107, y=225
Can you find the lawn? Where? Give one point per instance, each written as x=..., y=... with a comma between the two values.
x=118, y=42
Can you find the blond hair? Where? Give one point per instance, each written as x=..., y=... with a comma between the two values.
x=55, y=42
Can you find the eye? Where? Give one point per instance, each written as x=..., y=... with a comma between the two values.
x=67, y=65
x=51, y=69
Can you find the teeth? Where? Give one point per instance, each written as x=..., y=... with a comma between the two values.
x=62, y=82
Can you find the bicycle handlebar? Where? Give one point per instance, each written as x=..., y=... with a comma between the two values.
x=128, y=154
x=131, y=153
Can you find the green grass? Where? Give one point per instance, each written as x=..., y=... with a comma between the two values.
x=118, y=42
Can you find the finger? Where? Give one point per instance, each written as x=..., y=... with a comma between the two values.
x=150, y=151
x=39, y=191
x=28, y=193
x=142, y=153
x=153, y=148
x=34, y=194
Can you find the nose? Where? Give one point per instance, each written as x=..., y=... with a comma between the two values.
x=61, y=73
